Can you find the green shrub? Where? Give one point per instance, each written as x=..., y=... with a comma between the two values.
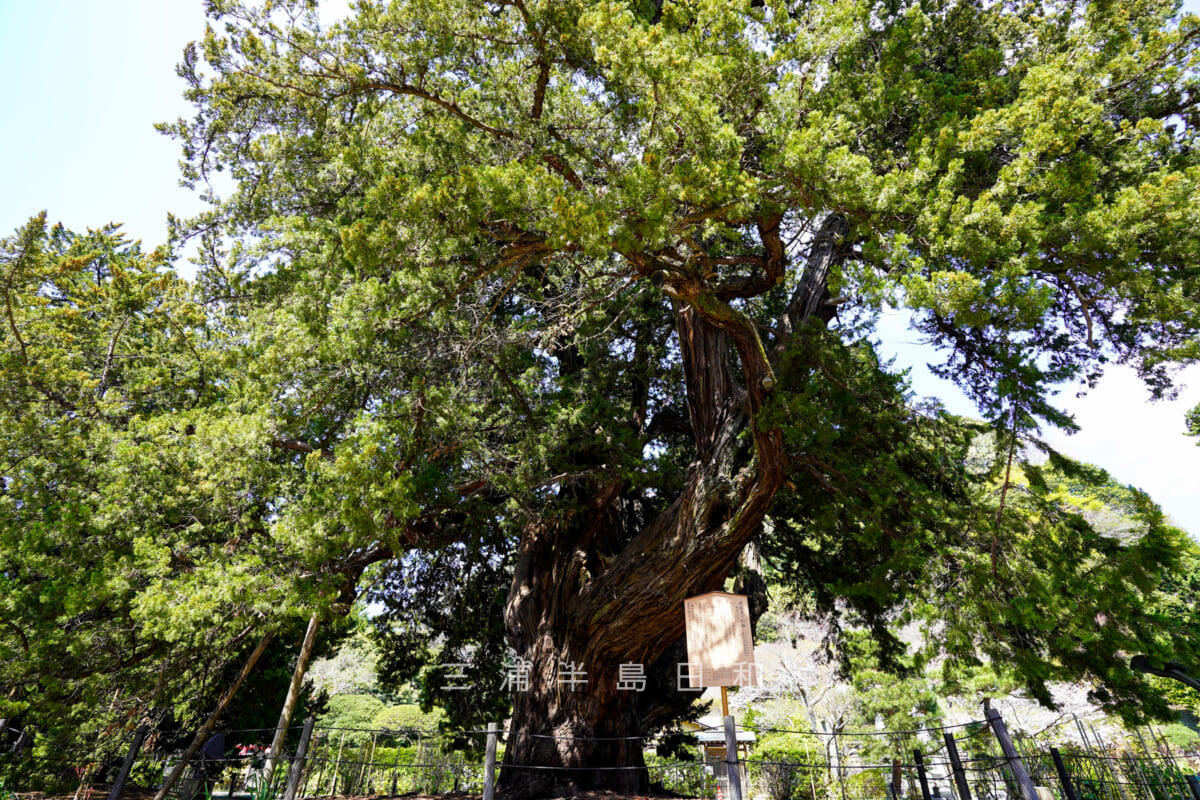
x=784, y=767
x=353, y=715
x=870, y=784
x=1181, y=737
x=407, y=718
x=768, y=628
x=688, y=779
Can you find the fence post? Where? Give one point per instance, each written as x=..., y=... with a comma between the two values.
x=1100, y=766
x=489, y=766
x=337, y=762
x=396, y=768
x=731, y=759
x=1194, y=783
x=293, y=784
x=1064, y=777
x=1010, y=755
x=920, y=760
x=960, y=775
x=127, y=764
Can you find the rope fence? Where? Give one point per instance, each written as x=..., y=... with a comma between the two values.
x=971, y=761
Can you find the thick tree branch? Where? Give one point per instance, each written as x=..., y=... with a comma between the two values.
x=452, y=107
x=667, y=421
x=12, y=324
x=773, y=263
x=20, y=634
x=809, y=298
x=108, y=359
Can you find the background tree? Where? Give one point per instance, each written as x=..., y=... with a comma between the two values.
x=1178, y=602
x=137, y=572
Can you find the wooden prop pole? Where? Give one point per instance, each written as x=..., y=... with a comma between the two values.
x=207, y=728
x=293, y=696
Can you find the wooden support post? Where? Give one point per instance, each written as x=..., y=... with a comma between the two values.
x=206, y=729
x=1093, y=759
x=364, y=773
x=489, y=766
x=896, y=778
x=921, y=776
x=731, y=759
x=1020, y=773
x=960, y=775
x=1064, y=777
x=127, y=765
x=1150, y=774
x=293, y=697
x=298, y=763
x=371, y=765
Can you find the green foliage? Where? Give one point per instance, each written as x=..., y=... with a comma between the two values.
x=439, y=242
x=883, y=487
x=146, y=772
x=901, y=702
x=370, y=766
x=407, y=718
x=137, y=575
x=1180, y=737
x=353, y=715
x=442, y=616
x=866, y=784
x=1050, y=568
x=1178, y=601
x=677, y=773
x=1093, y=590
x=358, y=717
x=784, y=767
x=766, y=630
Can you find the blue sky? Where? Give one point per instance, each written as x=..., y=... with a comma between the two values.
x=82, y=83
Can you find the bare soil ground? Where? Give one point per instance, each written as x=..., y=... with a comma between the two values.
x=134, y=793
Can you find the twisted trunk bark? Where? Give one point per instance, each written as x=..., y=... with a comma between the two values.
x=575, y=619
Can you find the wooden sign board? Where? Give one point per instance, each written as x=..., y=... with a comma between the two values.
x=720, y=644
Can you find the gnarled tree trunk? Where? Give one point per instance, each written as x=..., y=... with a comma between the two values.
x=575, y=617
x=581, y=729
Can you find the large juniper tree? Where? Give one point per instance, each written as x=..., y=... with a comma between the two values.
x=577, y=292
